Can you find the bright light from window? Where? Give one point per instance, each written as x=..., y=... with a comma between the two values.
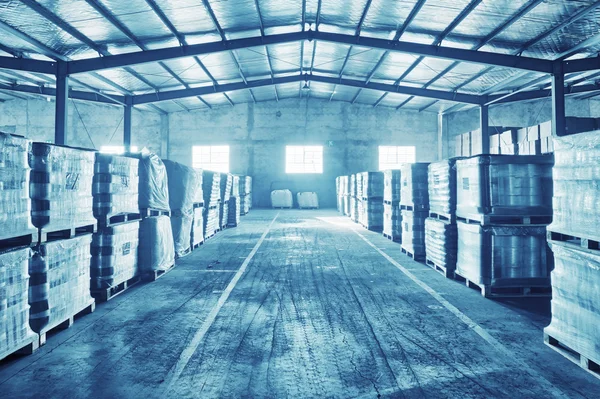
x=390, y=157
x=116, y=149
x=303, y=159
x=211, y=157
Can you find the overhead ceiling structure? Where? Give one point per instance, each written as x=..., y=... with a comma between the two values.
x=171, y=55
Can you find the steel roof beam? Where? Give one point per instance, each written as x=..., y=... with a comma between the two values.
x=435, y=51
x=28, y=65
x=74, y=94
x=318, y=16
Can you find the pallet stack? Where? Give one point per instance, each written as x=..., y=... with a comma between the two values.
x=184, y=185
x=225, y=195
x=372, y=200
x=245, y=194
x=353, y=199
x=197, y=233
x=414, y=206
x=441, y=234
x=575, y=241
x=114, y=265
x=392, y=220
x=345, y=192
x=211, y=187
x=59, y=288
x=504, y=203
x=234, y=203
x=156, y=251
x=360, y=208
x=338, y=193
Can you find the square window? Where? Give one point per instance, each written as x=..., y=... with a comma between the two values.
x=391, y=157
x=303, y=159
x=211, y=157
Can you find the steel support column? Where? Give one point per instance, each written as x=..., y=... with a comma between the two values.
x=559, y=123
x=484, y=126
x=127, y=123
x=62, y=98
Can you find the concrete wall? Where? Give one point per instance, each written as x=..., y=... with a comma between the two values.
x=258, y=133
x=522, y=114
x=90, y=125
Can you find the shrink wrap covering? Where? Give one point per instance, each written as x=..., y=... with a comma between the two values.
x=116, y=183
x=360, y=211
x=359, y=186
x=235, y=186
x=576, y=300
x=156, y=248
x=225, y=195
x=352, y=186
x=211, y=187
x=14, y=297
x=576, y=175
x=245, y=194
x=245, y=203
x=153, y=186
x=197, y=234
x=185, y=189
x=392, y=221
x=413, y=232
x=510, y=256
x=442, y=187
x=245, y=184
x=307, y=200
x=15, y=204
x=61, y=186
x=211, y=221
x=413, y=187
x=114, y=255
x=59, y=287
x=391, y=185
x=234, y=212
x=372, y=216
x=504, y=185
x=372, y=185
x=441, y=243
x=354, y=209
x=281, y=199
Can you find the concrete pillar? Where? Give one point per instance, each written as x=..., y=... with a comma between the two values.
x=61, y=107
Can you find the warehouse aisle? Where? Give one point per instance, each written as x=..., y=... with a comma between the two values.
x=300, y=304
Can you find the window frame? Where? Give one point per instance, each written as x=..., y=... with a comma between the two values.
x=400, y=154
x=300, y=163
x=214, y=163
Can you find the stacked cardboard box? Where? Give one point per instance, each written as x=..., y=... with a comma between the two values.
x=414, y=205
x=392, y=219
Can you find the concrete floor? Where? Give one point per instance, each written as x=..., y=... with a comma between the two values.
x=301, y=304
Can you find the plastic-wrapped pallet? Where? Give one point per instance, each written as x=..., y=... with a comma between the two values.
x=225, y=195
x=61, y=186
x=116, y=183
x=60, y=281
x=114, y=255
x=352, y=186
x=392, y=222
x=373, y=185
x=153, y=187
x=372, y=215
x=354, y=209
x=504, y=185
x=413, y=187
x=234, y=212
x=211, y=185
x=198, y=227
x=391, y=186
x=504, y=256
x=413, y=232
x=156, y=250
x=576, y=300
x=245, y=194
x=185, y=185
x=235, y=186
x=14, y=307
x=281, y=199
x=338, y=193
x=576, y=176
x=307, y=200
x=15, y=204
x=442, y=187
x=245, y=203
x=359, y=186
x=441, y=244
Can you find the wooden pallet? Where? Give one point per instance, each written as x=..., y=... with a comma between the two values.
x=107, y=221
x=66, y=323
x=414, y=207
x=230, y=225
x=581, y=242
x=282, y=207
x=196, y=246
x=579, y=359
x=27, y=239
x=186, y=253
x=25, y=347
x=197, y=205
x=444, y=270
x=154, y=275
x=393, y=203
x=393, y=238
x=106, y=294
x=503, y=219
x=309, y=207
x=71, y=232
x=150, y=212
x=490, y=291
x=444, y=217
x=418, y=258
